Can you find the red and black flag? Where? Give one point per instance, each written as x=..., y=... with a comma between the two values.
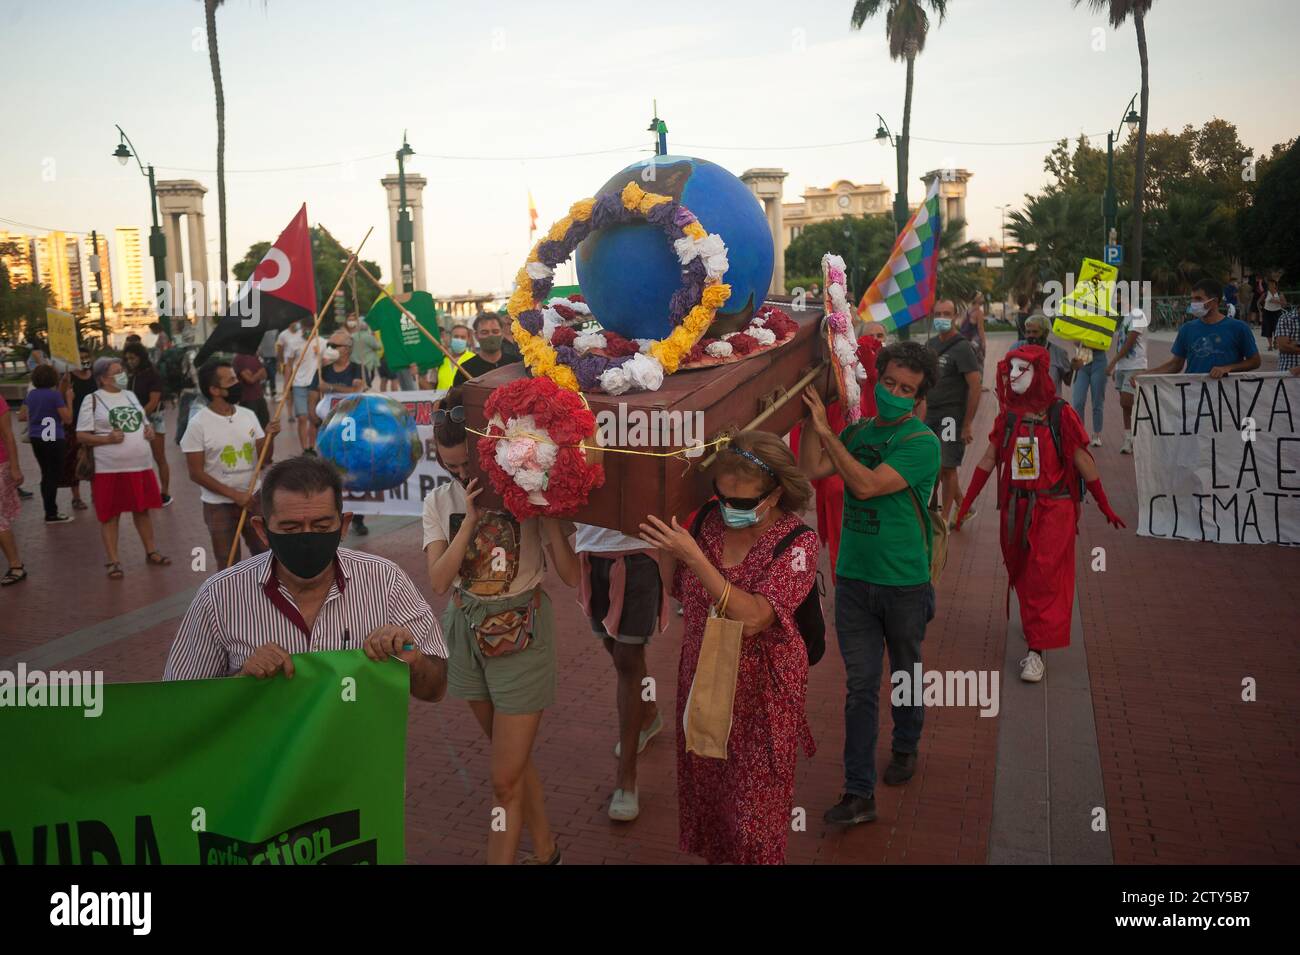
x=281, y=290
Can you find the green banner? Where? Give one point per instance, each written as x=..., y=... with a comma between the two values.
x=403, y=342
x=233, y=771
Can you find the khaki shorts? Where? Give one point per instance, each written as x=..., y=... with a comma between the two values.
x=1124, y=383
x=514, y=684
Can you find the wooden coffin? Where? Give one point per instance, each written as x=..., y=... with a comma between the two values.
x=692, y=407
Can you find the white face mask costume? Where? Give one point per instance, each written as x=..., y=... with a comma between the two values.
x=1022, y=375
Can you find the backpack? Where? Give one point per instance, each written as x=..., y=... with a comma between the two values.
x=175, y=368
x=808, y=615
x=1054, y=412
x=934, y=529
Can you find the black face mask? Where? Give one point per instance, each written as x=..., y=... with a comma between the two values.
x=235, y=392
x=1041, y=342
x=307, y=554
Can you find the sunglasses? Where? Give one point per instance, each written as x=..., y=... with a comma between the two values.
x=456, y=414
x=740, y=503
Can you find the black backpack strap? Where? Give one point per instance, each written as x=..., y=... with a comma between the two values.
x=1013, y=422
x=784, y=543
x=705, y=509
x=1054, y=424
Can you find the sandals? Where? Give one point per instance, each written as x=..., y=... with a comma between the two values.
x=114, y=570
x=157, y=559
x=17, y=574
x=555, y=859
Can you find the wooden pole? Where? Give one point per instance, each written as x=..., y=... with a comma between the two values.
x=423, y=331
x=284, y=394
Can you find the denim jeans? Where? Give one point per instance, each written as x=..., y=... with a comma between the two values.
x=870, y=618
x=1091, y=376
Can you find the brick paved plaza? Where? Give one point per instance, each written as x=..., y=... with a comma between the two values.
x=1142, y=716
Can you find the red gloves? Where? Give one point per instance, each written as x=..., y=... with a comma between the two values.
x=1099, y=495
x=973, y=489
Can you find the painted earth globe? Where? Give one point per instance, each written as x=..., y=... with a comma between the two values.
x=629, y=272
x=372, y=440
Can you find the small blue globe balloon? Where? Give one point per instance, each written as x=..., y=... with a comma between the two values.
x=628, y=273
x=372, y=440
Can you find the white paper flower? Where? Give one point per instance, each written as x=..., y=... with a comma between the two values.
x=538, y=270
x=686, y=249
x=763, y=336
x=644, y=344
x=718, y=349
x=844, y=351
x=585, y=343
x=839, y=301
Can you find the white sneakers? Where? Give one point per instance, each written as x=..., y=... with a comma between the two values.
x=1096, y=441
x=646, y=735
x=1032, y=668
x=1127, y=446
x=625, y=806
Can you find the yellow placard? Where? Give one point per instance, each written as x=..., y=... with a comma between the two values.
x=62, y=330
x=1087, y=315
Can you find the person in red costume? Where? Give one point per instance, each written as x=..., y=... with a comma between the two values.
x=1040, y=448
x=830, y=490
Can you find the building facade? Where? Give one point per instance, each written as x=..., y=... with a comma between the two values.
x=129, y=262
x=100, y=248
x=16, y=254
x=57, y=258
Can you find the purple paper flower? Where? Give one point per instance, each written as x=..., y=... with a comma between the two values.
x=589, y=369
x=683, y=216
x=663, y=214
x=532, y=321
x=551, y=253
x=578, y=231
x=607, y=211
x=541, y=288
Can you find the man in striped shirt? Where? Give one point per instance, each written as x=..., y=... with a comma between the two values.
x=307, y=594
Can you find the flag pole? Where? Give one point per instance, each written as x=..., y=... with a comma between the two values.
x=383, y=293
x=284, y=395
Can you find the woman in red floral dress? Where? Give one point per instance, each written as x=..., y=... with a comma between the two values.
x=738, y=809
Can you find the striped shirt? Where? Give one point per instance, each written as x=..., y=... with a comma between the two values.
x=245, y=606
x=1288, y=326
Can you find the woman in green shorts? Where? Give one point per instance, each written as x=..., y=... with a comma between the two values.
x=500, y=629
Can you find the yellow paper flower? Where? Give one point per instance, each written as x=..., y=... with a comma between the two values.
x=715, y=296
x=695, y=231
x=581, y=210
x=559, y=230
x=631, y=195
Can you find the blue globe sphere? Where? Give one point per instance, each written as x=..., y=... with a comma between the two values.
x=629, y=272
x=372, y=440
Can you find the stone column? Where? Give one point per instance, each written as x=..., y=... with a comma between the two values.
x=776, y=219
x=199, y=271
x=417, y=250
x=175, y=262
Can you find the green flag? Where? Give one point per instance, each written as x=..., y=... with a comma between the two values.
x=232, y=771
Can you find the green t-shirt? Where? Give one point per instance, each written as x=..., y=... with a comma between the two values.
x=403, y=342
x=884, y=540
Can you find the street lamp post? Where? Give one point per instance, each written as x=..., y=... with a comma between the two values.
x=405, y=233
x=885, y=137
x=157, y=244
x=1002, y=251
x=1110, y=204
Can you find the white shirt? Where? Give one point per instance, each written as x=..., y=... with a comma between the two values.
x=229, y=446
x=310, y=364
x=591, y=539
x=103, y=413
x=1137, y=357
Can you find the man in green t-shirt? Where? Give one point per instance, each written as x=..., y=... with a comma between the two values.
x=883, y=594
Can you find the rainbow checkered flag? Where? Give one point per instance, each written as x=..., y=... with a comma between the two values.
x=904, y=289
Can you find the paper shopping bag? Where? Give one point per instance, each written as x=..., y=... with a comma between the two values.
x=713, y=690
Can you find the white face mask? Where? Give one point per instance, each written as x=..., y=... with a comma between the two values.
x=331, y=353
x=120, y=379
x=1022, y=375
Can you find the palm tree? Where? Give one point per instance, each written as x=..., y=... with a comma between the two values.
x=1187, y=242
x=1050, y=237
x=210, y=14
x=959, y=264
x=906, y=27
x=1119, y=11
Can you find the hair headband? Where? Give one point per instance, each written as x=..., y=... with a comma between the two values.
x=751, y=456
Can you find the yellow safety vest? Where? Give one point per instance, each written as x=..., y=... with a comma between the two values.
x=1087, y=315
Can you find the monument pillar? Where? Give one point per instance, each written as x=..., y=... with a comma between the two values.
x=414, y=188
x=177, y=198
x=768, y=187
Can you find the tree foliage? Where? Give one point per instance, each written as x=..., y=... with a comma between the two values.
x=329, y=258
x=1269, y=230
x=863, y=241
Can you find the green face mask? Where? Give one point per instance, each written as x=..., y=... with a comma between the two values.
x=891, y=406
